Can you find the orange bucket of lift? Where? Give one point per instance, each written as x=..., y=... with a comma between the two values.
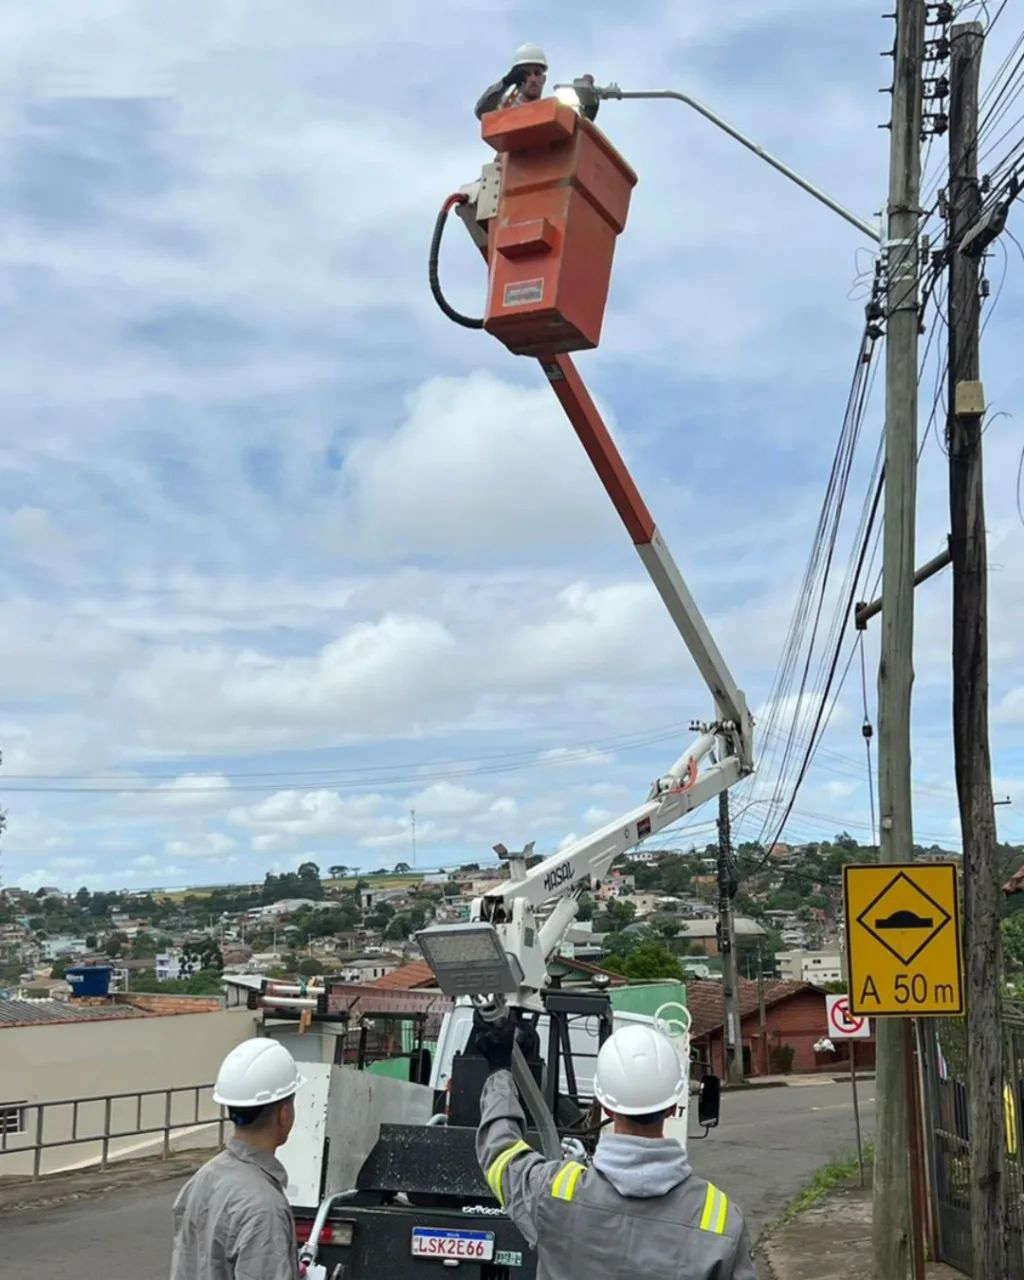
x=564, y=198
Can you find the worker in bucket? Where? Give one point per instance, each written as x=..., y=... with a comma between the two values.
x=639, y=1190
x=522, y=83
x=232, y=1220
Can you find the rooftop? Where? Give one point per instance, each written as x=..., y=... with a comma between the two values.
x=744, y=928
x=704, y=1000
x=31, y=1013
x=34, y=1013
x=410, y=977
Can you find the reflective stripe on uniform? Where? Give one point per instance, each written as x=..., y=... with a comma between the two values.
x=499, y=1165
x=564, y=1185
x=716, y=1209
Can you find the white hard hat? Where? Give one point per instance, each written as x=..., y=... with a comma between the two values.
x=530, y=55
x=256, y=1073
x=639, y=1072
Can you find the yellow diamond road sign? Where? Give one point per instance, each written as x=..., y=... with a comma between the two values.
x=903, y=939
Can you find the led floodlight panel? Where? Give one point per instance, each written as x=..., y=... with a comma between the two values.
x=469, y=960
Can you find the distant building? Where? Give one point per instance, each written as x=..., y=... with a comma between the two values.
x=810, y=966
x=705, y=932
x=794, y=1020
x=644, y=903
x=288, y=906
x=370, y=968
x=168, y=966
x=62, y=945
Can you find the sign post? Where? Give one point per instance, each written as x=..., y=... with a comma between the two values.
x=905, y=958
x=844, y=1025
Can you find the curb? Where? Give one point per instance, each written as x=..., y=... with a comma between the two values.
x=22, y=1194
x=749, y=1085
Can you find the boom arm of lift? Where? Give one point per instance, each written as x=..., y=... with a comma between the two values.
x=558, y=881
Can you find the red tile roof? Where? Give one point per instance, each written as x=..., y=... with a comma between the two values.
x=417, y=975
x=1016, y=882
x=413, y=976
x=704, y=1000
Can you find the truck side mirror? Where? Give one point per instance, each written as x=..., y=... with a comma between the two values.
x=709, y=1101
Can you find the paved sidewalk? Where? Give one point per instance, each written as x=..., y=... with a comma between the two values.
x=830, y=1241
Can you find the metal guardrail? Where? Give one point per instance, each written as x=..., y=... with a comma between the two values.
x=19, y=1120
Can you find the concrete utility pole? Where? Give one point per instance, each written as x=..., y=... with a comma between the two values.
x=982, y=940
x=890, y=1224
x=732, y=1024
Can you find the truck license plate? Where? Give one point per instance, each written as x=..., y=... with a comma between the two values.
x=470, y=1246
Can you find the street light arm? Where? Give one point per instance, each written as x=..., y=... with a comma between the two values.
x=584, y=90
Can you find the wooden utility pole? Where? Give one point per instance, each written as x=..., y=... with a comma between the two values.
x=982, y=939
x=732, y=1026
x=890, y=1225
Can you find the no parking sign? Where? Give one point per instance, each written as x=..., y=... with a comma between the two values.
x=842, y=1024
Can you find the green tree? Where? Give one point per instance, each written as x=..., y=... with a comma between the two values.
x=1013, y=940
x=382, y=916
x=397, y=928
x=337, y=870
x=59, y=968
x=144, y=946
x=204, y=983
x=619, y=914
x=402, y=868
x=82, y=897
x=645, y=962
x=586, y=909
x=310, y=968
x=310, y=885
x=117, y=944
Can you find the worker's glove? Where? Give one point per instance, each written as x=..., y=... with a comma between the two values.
x=573, y=1149
x=494, y=1040
x=515, y=76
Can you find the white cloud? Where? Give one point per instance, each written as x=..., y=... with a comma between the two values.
x=366, y=682
x=208, y=844
x=478, y=465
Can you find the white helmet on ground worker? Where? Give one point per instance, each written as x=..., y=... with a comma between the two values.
x=257, y=1073
x=529, y=55
x=639, y=1072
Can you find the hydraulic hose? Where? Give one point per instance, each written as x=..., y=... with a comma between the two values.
x=467, y=322
x=550, y=1143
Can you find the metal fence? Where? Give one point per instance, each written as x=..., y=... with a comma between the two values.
x=105, y=1123
x=944, y=1067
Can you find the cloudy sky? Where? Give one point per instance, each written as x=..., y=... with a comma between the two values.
x=288, y=556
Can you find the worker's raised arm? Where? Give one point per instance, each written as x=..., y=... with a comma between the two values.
x=516, y=1174
x=490, y=99
x=526, y=75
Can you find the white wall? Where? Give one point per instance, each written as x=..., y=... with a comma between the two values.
x=90, y=1059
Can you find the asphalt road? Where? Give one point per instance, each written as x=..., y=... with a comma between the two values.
x=771, y=1141
x=768, y=1145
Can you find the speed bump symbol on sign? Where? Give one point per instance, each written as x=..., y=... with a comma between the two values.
x=903, y=939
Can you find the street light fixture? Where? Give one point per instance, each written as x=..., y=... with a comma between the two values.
x=589, y=94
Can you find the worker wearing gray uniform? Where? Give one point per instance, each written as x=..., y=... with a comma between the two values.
x=523, y=83
x=232, y=1220
x=639, y=1209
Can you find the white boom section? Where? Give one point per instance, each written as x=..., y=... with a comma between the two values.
x=675, y=595
x=561, y=878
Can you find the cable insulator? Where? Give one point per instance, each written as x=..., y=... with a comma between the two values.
x=867, y=730
x=467, y=322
